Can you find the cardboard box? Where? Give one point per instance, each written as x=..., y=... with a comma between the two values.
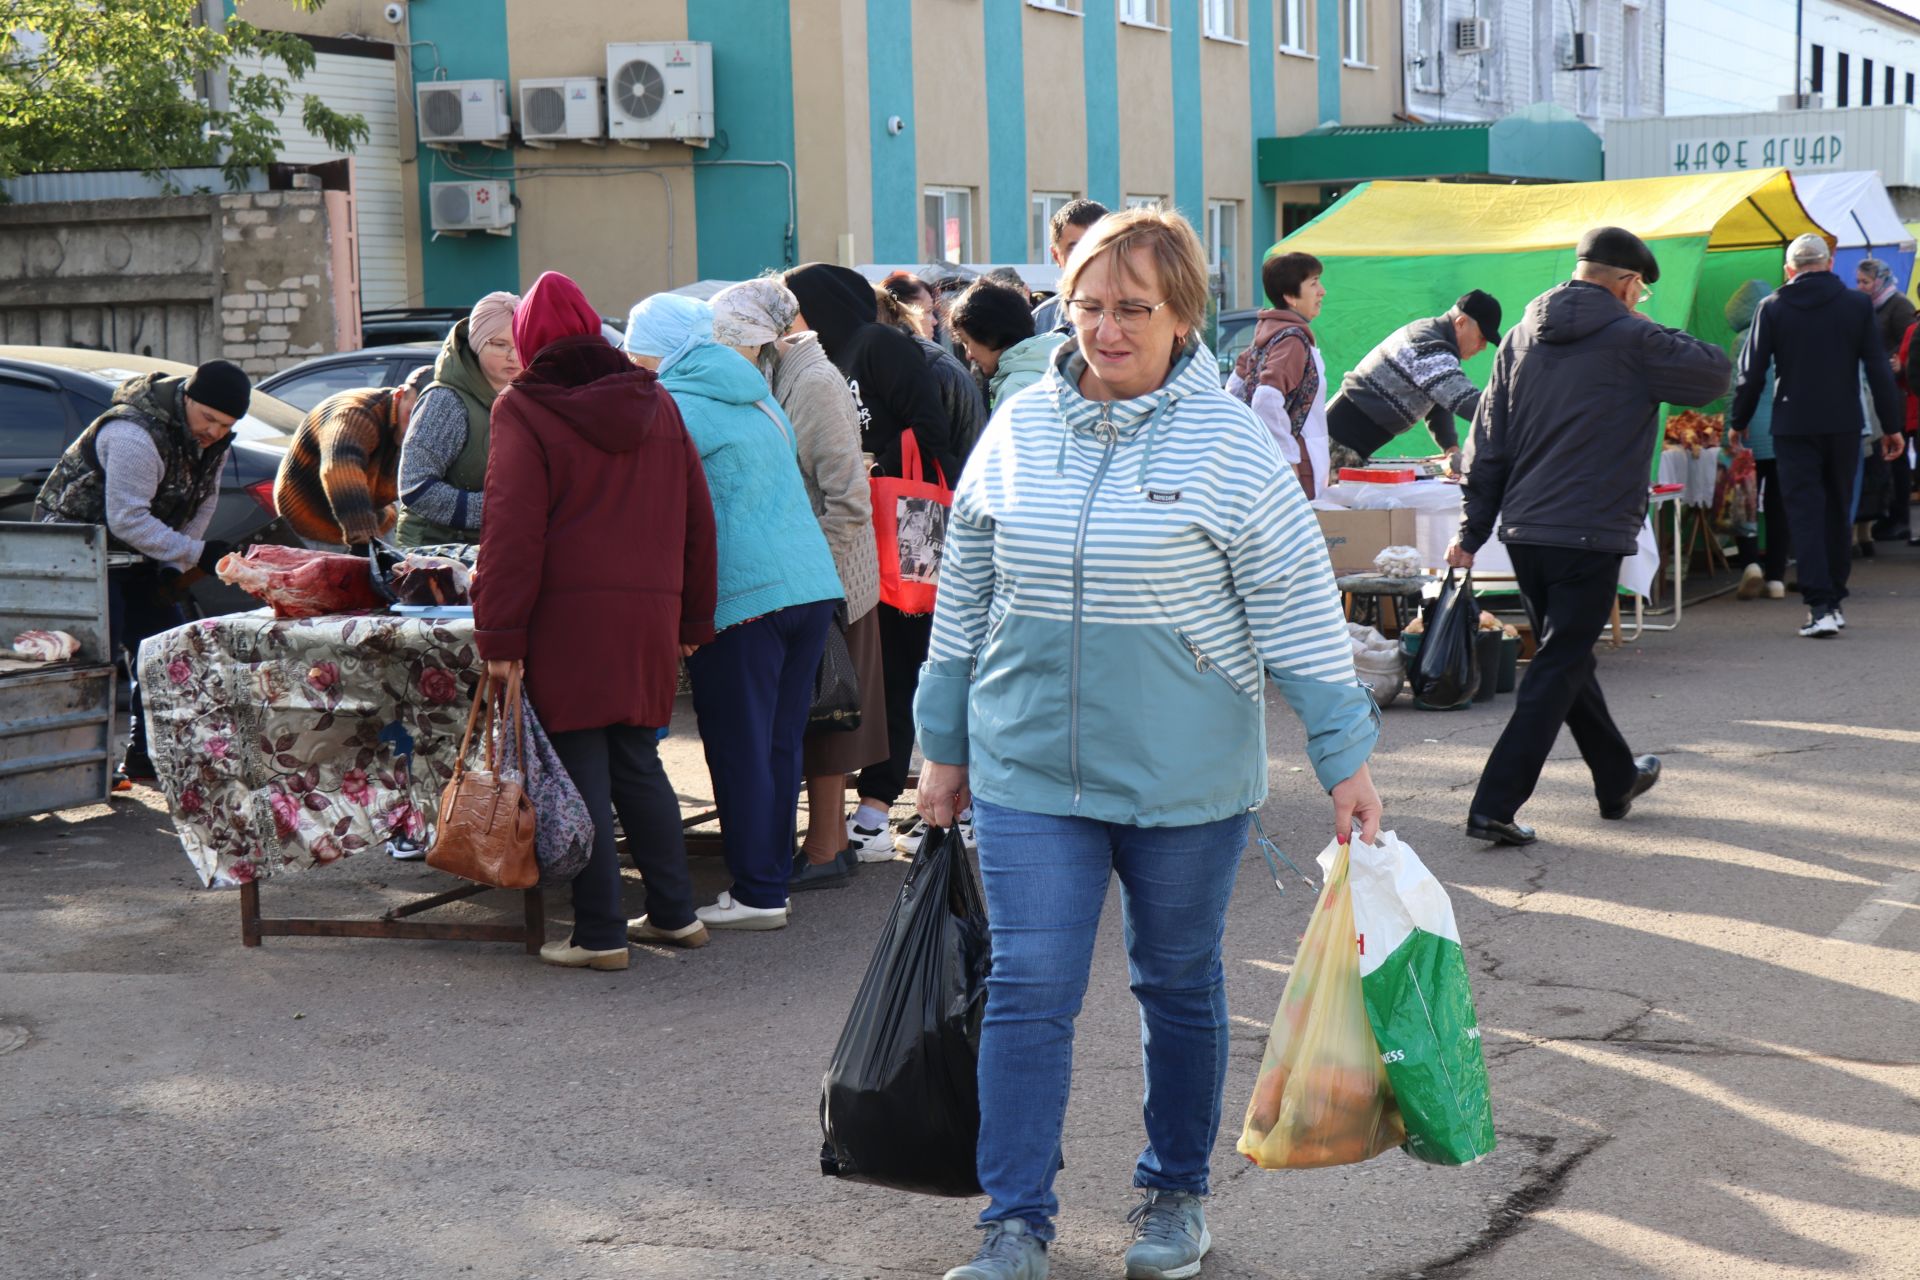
x=1354, y=538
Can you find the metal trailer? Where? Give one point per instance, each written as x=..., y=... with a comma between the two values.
x=56, y=721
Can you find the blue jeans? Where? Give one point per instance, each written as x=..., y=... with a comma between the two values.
x=1046, y=880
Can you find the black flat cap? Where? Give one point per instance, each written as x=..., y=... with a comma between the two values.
x=1618, y=247
x=1484, y=309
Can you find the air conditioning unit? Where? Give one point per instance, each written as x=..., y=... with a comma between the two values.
x=572, y=109
x=457, y=111
x=1802, y=101
x=471, y=206
x=1472, y=35
x=1584, y=52
x=660, y=92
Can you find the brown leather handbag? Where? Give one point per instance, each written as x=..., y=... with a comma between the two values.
x=486, y=827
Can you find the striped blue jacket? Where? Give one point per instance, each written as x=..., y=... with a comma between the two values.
x=1119, y=580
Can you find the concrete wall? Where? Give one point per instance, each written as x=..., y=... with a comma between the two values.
x=244, y=277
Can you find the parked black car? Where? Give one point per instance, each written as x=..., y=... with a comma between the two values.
x=1234, y=333
x=308, y=383
x=48, y=395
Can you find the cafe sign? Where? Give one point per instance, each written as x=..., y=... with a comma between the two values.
x=1757, y=151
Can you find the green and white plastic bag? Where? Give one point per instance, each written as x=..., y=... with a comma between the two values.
x=1413, y=975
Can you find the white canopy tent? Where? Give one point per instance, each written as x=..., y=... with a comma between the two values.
x=1857, y=210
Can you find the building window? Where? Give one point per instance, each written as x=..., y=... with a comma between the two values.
x=1631, y=52
x=1909, y=88
x=1887, y=97
x=1429, y=45
x=1866, y=82
x=1355, y=51
x=1223, y=255
x=947, y=224
x=1143, y=202
x=1817, y=73
x=1840, y=73
x=1220, y=19
x=1140, y=13
x=1058, y=6
x=1045, y=205
x=1293, y=26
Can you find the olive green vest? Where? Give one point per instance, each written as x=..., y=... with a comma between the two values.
x=457, y=369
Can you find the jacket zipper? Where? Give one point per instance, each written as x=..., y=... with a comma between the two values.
x=1201, y=662
x=1107, y=437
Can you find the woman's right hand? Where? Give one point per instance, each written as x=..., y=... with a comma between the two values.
x=943, y=794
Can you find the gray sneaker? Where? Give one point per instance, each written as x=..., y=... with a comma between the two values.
x=1169, y=1236
x=1010, y=1252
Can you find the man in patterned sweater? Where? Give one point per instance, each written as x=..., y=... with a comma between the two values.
x=340, y=480
x=1414, y=374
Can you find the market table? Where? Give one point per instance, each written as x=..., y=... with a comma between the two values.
x=285, y=745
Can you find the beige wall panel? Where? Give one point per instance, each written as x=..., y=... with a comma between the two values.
x=570, y=37
x=1053, y=63
x=1373, y=96
x=950, y=108
x=1145, y=64
x=1227, y=136
x=1296, y=94
x=832, y=170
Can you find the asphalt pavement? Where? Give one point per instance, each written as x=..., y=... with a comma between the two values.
x=1702, y=1026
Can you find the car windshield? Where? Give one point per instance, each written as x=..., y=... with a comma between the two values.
x=309, y=387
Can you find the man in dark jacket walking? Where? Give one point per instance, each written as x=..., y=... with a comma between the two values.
x=1818, y=336
x=1561, y=451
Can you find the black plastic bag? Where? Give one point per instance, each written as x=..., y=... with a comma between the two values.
x=900, y=1105
x=836, y=684
x=1447, y=669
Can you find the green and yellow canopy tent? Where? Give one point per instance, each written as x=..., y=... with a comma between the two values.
x=1396, y=251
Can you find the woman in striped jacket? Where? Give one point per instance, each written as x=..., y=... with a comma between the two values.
x=1128, y=560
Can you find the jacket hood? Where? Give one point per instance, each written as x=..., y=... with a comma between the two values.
x=1272, y=320
x=1812, y=289
x=584, y=386
x=1744, y=302
x=457, y=366
x=1573, y=311
x=836, y=301
x=717, y=373
x=1029, y=356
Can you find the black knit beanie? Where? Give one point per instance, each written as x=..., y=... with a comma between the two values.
x=220, y=385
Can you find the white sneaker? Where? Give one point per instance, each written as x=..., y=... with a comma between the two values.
x=1820, y=628
x=870, y=844
x=404, y=850
x=1752, y=581
x=1776, y=589
x=728, y=914
x=910, y=840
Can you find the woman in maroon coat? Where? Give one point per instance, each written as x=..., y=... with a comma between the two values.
x=597, y=572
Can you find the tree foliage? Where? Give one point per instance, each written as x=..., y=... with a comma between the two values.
x=123, y=84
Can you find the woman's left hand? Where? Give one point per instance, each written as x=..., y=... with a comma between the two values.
x=503, y=668
x=1355, y=800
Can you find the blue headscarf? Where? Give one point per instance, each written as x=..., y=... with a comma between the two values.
x=668, y=325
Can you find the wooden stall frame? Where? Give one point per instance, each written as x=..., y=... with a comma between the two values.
x=531, y=932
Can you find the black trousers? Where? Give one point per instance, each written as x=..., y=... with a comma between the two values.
x=1773, y=521
x=618, y=768
x=903, y=648
x=136, y=611
x=1569, y=598
x=1816, y=478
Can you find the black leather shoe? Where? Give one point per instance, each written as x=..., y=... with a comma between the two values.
x=1648, y=768
x=824, y=875
x=1496, y=832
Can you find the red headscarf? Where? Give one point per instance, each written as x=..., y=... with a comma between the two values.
x=553, y=309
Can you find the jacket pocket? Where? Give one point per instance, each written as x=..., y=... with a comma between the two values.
x=1203, y=662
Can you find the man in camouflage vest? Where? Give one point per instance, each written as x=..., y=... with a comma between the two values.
x=149, y=470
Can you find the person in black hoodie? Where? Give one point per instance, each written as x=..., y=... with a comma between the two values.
x=1561, y=452
x=1818, y=336
x=895, y=393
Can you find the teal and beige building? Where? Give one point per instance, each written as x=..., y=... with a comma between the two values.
x=858, y=131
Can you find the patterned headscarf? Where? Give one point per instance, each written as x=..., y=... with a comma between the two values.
x=753, y=312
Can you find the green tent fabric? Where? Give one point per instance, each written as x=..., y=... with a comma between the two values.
x=1396, y=251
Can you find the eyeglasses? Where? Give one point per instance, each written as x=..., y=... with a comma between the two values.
x=1128, y=315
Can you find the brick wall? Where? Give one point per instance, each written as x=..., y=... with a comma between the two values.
x=276, y=305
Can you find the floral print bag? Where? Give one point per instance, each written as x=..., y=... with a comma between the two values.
x=563, y=832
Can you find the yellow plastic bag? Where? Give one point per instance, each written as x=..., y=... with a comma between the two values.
x=1322, y=1097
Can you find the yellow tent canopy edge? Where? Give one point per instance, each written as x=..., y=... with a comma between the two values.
x=1747, y=209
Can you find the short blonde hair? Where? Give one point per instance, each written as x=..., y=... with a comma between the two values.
x=1167, y=238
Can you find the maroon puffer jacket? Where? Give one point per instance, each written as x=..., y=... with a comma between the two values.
x=597, y=558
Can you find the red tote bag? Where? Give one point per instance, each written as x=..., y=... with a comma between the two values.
x=910, y=528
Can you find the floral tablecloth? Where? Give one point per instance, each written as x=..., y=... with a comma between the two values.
x=284, y=745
